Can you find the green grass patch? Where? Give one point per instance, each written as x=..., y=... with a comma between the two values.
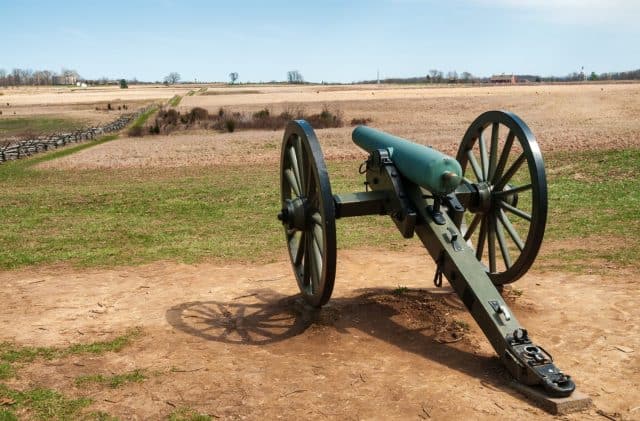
x=36, y=126
x=11, y=353
x=100, y=416
x=133, y=216
x=400, y=290
x=15, y=170
x=596, y=195
x=142, y=118
x=44, y=404
x=114, y=381
x=7, y=415
x=6, y=371
x=188, y=414
x=175, y=100
x=105, y=218
x=191, y=93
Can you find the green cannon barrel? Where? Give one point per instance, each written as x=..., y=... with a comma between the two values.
x=425, y=166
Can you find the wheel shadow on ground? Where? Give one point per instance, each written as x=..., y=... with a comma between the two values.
x=265, y=317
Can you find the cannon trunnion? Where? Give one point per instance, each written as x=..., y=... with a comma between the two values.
x=481, y=216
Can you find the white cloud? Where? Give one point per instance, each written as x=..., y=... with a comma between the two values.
x=587, y=12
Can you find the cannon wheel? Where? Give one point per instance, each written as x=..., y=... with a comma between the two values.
x=500, y=155
x=308, y=213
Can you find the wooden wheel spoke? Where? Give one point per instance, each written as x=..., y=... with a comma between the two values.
x=291, y=180
x=317, y=258
x=493, y=155
x=504, y=157
x=484, y=159
x=492, y=244
x=472, y=227
x=522, y=214
x=510, y=229
x=317, y=236
x=317, y=218
x=474, y=165
x=513, y=190
x=296, y=168
x=311, y=185
x=306, y=273
x=504, y=250
x=510, y=172
x=481, y=238
x=301, y=162
x=299, y=254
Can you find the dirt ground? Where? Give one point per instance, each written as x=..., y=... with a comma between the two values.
x=228, y=341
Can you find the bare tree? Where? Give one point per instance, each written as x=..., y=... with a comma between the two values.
x=69, y=73
x=434, y=74
x=466, y=76
x=452, y=76
x=233, y=76
x=294, y=76
x=172, y=78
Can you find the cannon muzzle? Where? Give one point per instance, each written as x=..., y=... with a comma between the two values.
x=424, y=166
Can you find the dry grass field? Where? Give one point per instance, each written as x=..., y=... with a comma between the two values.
x=147, y=278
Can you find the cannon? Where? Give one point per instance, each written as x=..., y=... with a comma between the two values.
x=481, y=216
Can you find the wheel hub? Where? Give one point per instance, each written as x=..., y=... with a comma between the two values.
x=295, y=213
x=481, y=199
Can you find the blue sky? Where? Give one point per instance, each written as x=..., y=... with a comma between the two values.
x=328, y=40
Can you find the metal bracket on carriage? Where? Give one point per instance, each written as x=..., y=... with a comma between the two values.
x=531, y=365
x=382, y=174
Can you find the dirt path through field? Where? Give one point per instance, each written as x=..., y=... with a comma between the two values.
x=227, y=340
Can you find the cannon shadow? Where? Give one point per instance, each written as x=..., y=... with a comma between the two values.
x=264, y=317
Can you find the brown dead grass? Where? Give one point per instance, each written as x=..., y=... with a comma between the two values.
x=577, y=117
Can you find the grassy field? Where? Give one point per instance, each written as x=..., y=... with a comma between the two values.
x=41, y=403
x=34, y=126
x=133, y=216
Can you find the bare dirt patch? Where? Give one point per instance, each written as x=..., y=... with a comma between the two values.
x=227, y=341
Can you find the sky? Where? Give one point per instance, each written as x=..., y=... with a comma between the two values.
x=325, y=40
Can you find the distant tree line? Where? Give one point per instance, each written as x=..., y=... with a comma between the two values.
x=452, y=76
x=21, y=77
x=17, y=77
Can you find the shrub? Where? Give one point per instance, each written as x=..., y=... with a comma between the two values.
x=230, y=125
x=220, y=112
x=262, y=114
x=198, y=114
x=109, y=106
x=361, y=121
x=136, y=131
x=170, y=116
x=325, y=119
x=123, y=84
